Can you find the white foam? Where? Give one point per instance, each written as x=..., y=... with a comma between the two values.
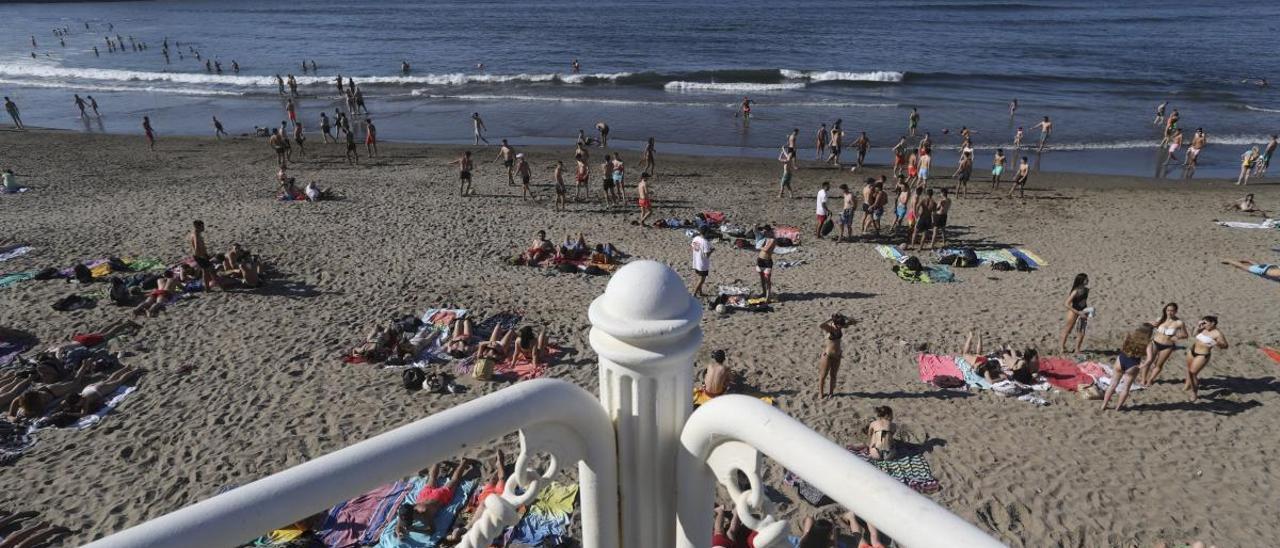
x=1032, y=144
x=730, y=87
x=1260, y=109
x=834, y=76
x=101, y=88
x=426, y=93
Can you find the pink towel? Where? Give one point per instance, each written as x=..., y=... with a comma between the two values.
x=716, y=217
x=940, y=370
x=1063, y=373
x=1094, y=370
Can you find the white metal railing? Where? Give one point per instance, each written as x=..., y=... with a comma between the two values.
x=554, y=417
x=721, y=438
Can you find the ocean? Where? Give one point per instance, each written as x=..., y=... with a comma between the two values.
x=675, y=71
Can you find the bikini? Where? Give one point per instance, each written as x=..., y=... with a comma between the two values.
x=1208, y=343
x=1168, y=332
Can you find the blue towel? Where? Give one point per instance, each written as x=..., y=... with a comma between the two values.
x=443, y=521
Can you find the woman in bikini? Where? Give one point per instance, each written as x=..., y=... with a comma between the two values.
x=1136, y=352
x=459, y=344
x=1169, y=329
x=829, y=361
x=33, y=403
x=528, y=345
x=1078, y=312
x=880, y=435
x=986, y=365
x=1207, y=338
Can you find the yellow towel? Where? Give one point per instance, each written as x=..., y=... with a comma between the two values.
x=101, y=271
x=700, y=397
x=286, y=534
x=556, y=499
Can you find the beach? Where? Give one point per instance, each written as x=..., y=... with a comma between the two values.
x=244, y=383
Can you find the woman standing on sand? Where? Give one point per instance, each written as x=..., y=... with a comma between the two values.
x=1136, y=352
x=829, y=361
x=1246, y=165
x=1078, y=311
x=1169, y=329
x=1207, y=338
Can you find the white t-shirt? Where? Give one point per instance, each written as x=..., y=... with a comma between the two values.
x=701, y=253
x=822, y=201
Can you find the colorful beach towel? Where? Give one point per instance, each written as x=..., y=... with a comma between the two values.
x=14, y=251
x=1063, y=373
x=971, y=376
x=700, y=396
x=912, y=470
x=15, y=277
x=89, y=421
x=349, y=522
x=932, y=274
x=890, y=252
x=444, y=518
x=1008, y=255
x=547, y=521
x=11, y=347
x=520, y=370
x=940, y=371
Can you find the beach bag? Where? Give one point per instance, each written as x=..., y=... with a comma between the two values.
x=119, y=292
x=967, y=258
x=82, y=274
x=117, y=264
x=47, y=273
x=912, y=263
x=413, y=378
x=1021, y=265
x=1002, y=266
x=483, y=369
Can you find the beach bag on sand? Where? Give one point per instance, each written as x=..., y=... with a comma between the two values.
x=1002, y=266
x=413, y=378
x=967, y=258
x=482, y=370
x=47, y=274
x=119, y=292
x=82, y=274
x=912, y=263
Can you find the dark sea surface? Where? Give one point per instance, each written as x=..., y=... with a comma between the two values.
x=675, y=71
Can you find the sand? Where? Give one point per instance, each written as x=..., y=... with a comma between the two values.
x=267, y=390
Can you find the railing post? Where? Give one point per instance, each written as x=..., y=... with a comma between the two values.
x=645, y=329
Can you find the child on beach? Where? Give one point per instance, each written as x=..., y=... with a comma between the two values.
x=997, y=169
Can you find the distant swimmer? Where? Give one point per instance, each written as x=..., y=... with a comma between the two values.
x=913, y=121
x=218, y=130
x=313, y=66
x=404, y=67
x=280, y=84
x=1013, y=107
x=208, y=65
x=93, y=103
x=33, y=41
x=477, y=126
x=304, y=67
x=217, y=67
x=235, y=67
x=150, y=133
x=1046, y=130
x=575, y=66
x=12, y=109
x=80, y=104
x=744, y=110
x=603, y=129
x=1160, y=113
x=293, y=86
x=480, y=67
x=166, y=55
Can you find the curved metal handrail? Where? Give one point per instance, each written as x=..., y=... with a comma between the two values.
x=547, y=404
x=910, y=518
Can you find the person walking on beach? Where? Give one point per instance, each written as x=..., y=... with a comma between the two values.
x=913, y=121
x=1046, y=129
x=643, y=199
x=820, y=142
x=1078, y=312
x=647, y=163
x=352, y=155
x=836, y=145
x=299, y=138
x=200, y=253
x=1169, y=329
x=822, y=211
x=764, y=262
x=924, y=209
x=1265, y=161
x=829, y=360
x=1159, y=113
x=370, y=137
x=603, y=129
x=218, y=131
x=606, y=182
x=862, y=144
x=787, y=158
x=478, y=128
x=151, y=134
x=523, y=170
x=558, y=174
x=997, y=169
x=582, y=177
x=277, y=143
x=899, y=152
x=508, y=157
x=1207, y=337
x=93, y=104
x=464, y=173
x=1246, y=165
x=1020, y=179
x=80, y=105
x=1135, y=354
x=848, y=208
x=284, y=140
x=1175, y=142
x=291, y=110
x=702, y=250
x=325, y=129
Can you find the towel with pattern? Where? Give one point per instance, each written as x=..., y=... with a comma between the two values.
x=14, y=251
x=444, y=518
x=911, y=469
x=940, y=371
x=349, y=522
x=546, y=523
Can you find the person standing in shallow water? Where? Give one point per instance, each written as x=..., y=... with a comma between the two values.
x=150, y=133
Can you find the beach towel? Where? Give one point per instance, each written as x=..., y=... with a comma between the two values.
x=15, y=277
x=349, y=522
x=932, y=274
x=520, y=370
x=1063, y=373
x=911, y=469
x=1033, y=259
x=14, y=441
x=970, y=374
x=713, y=217
x=442, y=317
x=789, y=232
x=282, y=536
x=1267, y=350
x=10, y=349
x=444, y=518
x=805, y=491
x=1267, y=224
x=143, y=265
x=546, y=523
x=89, y=421
x=940, y=371
x=890, y=252
x=700, y=396
x=14, y=251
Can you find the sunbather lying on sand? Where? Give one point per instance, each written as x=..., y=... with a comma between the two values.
x=1264, y=270
x=495, y=485
x=430, y=500
x=166, y=287
x=987, y=365
x=529, y=345
x=459, y=344
x=33, y=402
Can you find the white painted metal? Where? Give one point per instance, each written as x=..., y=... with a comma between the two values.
x=645, y=329
x=910, y=518
x=581, y=430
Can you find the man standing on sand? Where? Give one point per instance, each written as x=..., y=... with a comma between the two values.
x=642, y=199
x=1020, y=179
x=913, y=121
x=291, y=110
x=607, y=182
x=940, y=220
x=523, y=170
x=862, y=145
x=370, y=137
x=80, y=105
x=822, y=211
x=926, y=160
x=508, y=157
x=353, y=156
x=277, y=143
x=821, y=142
x=764, y=262
x=847, y=211
x=582, y=176
x=200, y=253
x=701, y=259
x=924, y=219
x=788, y=159
x=900, y=156
x=150, y=133
x=878, y=200
x=464, y=173
x=836, y=145
x=868, y=189
x=218, y=131
x=477, y=125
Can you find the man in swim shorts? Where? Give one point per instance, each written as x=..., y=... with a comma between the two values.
x=507, y=155
x=642, y=199
x=822, y=211
x=429, y=501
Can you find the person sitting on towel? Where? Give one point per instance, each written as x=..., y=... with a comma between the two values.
x=716, y=381
x=539, y=250
x=880, y=435
x=430, y=501
x=572, y=249
x=530, y=346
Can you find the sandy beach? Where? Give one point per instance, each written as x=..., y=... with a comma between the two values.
x=241, y=384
